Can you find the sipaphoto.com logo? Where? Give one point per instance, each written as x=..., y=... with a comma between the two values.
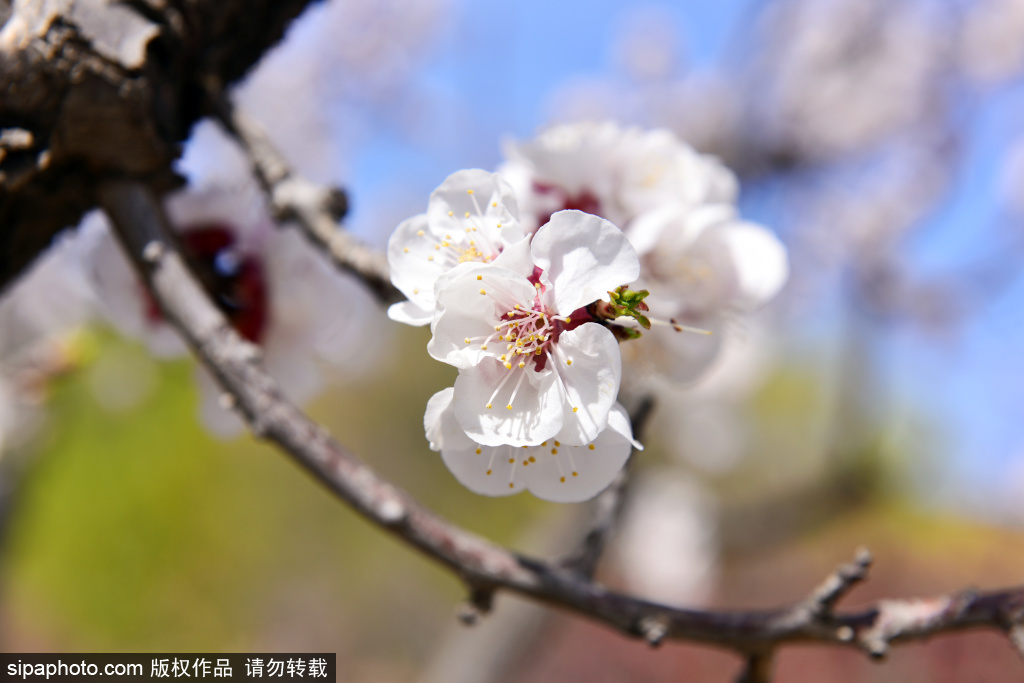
x=61, y=669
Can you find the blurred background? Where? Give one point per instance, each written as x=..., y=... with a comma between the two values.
x=877, y=401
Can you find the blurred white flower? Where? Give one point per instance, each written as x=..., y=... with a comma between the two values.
x=667, y=547
x=563, y=473
x=525, y=319
x=703, y=266
x=269, y=282
x=610, y=171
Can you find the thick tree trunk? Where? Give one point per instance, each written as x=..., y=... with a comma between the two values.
x=96, y=89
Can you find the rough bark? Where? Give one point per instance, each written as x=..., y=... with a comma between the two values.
x=98, y=88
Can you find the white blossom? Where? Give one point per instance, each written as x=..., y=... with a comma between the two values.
x=610, y=171
x=472, y=216
x=552, y=470
x=531, y=364
x=702, y=266
x=269, y=282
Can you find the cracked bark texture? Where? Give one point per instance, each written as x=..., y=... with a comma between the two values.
x=95, y=89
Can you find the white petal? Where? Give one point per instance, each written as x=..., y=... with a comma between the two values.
x=409, y=313
x=415, y=263
x=590, y=380
x=477, y=199
x=761, y=264
x=482, y=469
x=535, y=413
x=674, y=227
x=583, y=257
x=569, y=474
x=518, y=257
x=470, y=300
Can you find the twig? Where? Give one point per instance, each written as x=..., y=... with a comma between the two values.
x=758, y=668
x=141, y=226
x=315, y=208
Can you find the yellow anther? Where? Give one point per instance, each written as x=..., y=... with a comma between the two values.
x=483, y=291
x=538, y=352
x=469, y=191
x=407, y=250
x=484, y=347
x=574, y=409
x=569, y=362
x=508, y=365
x=478, y=451
x=499, y=225
x=479, y=277
x=415, y=291
x=561, y=480
x=447, y=237
x=522, y=364
x=445, y=244
x=437, y=246
x=488, y=472
x=497, y=328
x=544, y=444
x=511, y=460
x=568, y=320
x=533, y=459
x=467, y=340
x=509, y=347
x=537, y=285
x=556, y=443
x=511, y=485
x=510, y=313
x=591, y=446
x=554, y=451
x=467, y=214
x=489, y=406
x=494, y=204
x=430, y=258
x=451, y=213
x=575, y=474
x=420, y=233
x=503, y=357
x=509, y=406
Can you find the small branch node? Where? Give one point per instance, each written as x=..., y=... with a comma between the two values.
x=391, y=511
x=654, y=629
x=479, y=603
x=153, y=251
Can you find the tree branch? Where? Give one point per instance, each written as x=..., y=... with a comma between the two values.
x=142, y=227
x=316, y=208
